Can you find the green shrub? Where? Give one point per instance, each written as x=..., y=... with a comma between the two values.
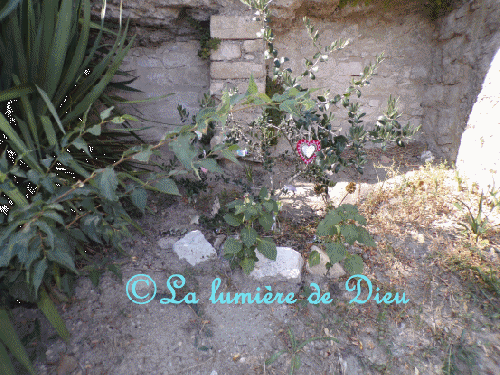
x=262, y=209
x=337, y=229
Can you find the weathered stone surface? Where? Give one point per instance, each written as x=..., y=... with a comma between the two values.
x=194, y=248
x=287, y=266
x=234, y=27
x=169, y=68
x=227, y=51
x=236, y=70
x=217, y=86
x=479, y=155
x=256, y=45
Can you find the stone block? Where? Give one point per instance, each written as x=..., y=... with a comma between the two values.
x=287, y=266
x=194, y=248
x=255, y=45
x=349, y=69
x=226, y=51
x=216, y=87
x=233, y=27
x=236, y=70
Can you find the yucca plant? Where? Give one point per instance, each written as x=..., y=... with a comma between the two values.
x=53, y=190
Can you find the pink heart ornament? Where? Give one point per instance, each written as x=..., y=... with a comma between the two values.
x=307, y=149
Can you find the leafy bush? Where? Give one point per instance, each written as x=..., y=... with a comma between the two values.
x=312, y=118
x=246, y=212
x=337, y=229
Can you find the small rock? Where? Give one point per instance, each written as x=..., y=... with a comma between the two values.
x=427, y=157
x=194, y=219
x=320, y=269
x=213, y=372
x=194, y=248
x=219, y=241
x=286, y=267
x=67, y=364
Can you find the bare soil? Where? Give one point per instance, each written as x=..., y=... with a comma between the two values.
x=447, y=321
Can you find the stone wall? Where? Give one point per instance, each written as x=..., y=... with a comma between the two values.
x=406, y=41
x=467, y=39
x=435, y=68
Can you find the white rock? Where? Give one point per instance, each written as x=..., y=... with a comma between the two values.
x=287, y=266
x=194, y=248
x=427, y=157
x=320, y=269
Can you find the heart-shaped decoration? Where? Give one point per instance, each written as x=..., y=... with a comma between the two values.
x=307, y=150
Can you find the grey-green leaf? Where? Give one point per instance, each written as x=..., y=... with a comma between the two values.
x=232, y=220
x=314, y=259
x=108, y=184
x=167, y=186
x=232, y=246
x=139, y=198
x=249, y=236
x=354, y=265
x=336, y=251
x=267, y=248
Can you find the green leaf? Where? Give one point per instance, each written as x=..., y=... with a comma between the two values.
x=354, y=265
x=116, y=270
x=232, y=246
x=51, y=108
x=252, y=87
x=365, y=238
x=95, y=130
x=106, y=113
x=8, y=8
x=168, y=186
x=228, y=154
x=295, y=363
x=50, y=132
x=211, y=165
x=233, y=204
x=269, y=205
x=314, y=259
x=249, y=236
x=336, y=251
x=6, y=367
x=248, y=265
x=267, y=248
x=50, y=311
x=266, y=220
x=263, y=193
x=143, y=155
x=39, y=273
x=139, y=198
x=325, y=229
x=9, y=337
x=232, y=220
x=80, y=144
x=349, y=232
x=61, y=256
x=108, y=182
x=183, y=149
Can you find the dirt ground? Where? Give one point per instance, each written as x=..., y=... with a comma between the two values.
x=444, y=322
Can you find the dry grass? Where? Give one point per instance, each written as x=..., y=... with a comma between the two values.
x=420, y=204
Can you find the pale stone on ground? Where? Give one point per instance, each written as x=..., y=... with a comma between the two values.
x=320, y=269
x=287, y=266
x=194, y=248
